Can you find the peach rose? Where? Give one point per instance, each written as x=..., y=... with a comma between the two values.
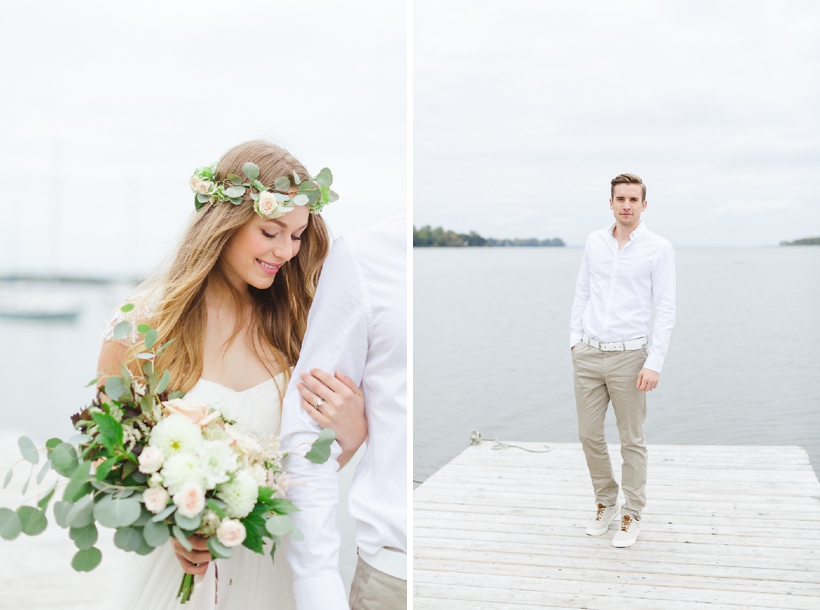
x=190, y=500
x=247, y=445
x=266, y=204
x=198, y=185
x=194, y=410
x=231, y=533
x=151, y=460
x=155, y=498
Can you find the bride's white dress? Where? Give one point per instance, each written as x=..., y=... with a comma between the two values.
x=246, y=581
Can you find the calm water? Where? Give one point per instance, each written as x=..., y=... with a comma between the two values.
x=491, y=350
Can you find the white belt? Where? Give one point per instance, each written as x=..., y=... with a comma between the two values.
x=616, y=346
x=392, y=563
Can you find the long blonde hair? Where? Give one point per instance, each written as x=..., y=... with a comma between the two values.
x=279, y=313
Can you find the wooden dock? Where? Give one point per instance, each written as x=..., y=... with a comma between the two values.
x=725, y=528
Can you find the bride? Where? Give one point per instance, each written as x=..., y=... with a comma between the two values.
x=235, y=300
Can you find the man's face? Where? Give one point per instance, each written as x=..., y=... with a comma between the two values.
x=627, y=203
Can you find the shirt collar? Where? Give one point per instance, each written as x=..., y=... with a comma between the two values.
x=636, y=234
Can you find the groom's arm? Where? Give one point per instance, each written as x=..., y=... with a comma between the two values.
x=336, y=340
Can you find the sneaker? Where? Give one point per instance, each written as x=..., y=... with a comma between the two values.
x=628, y=534
x=603, y=517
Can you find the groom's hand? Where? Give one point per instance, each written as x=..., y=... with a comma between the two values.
x=648, y=380
x=196, y=560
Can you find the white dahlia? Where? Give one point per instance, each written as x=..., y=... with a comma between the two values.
x=216, y=462
x=239, y=494
x=181, y=469
x=175, y=434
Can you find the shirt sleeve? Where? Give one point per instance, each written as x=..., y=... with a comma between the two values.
x=336, y=340
x=663, y=298
x=579, y=304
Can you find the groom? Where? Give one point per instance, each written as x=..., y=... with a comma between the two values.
x=358, y=326
x=626, y=270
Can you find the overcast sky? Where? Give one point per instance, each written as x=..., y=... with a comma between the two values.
x=108, y=107
x=525, y=110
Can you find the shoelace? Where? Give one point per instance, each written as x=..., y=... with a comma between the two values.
x=625, y=523
x=599, y=515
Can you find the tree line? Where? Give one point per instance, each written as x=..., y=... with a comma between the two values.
x=427, y=237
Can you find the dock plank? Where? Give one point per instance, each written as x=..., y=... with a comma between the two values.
x=725, y=527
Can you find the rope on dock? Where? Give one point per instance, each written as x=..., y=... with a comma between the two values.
x=475, y=439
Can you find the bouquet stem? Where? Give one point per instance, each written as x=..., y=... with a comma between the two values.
x=186, y=588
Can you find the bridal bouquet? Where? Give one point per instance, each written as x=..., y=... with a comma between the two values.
x=152, y=465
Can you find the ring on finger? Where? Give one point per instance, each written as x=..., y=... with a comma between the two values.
x=319, y=403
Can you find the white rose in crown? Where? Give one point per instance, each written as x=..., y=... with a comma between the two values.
x=150, y=460
x=155, y=498
x=190, y=500
x=194, y=410
x=198, y=185
x=266, y=204
x=231, y=533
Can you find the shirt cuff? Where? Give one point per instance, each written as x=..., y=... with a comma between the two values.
x=653, y=363
x=326, y=592
x=575, y=339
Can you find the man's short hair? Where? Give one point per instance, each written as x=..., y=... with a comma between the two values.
x=627, y=179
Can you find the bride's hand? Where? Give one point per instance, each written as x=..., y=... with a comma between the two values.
x=341, y=410
x=196, y=560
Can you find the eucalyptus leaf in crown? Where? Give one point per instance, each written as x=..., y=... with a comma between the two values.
x=268, y=201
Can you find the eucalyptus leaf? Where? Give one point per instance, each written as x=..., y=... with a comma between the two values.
x=325, y=177
x=251, y=170
x=296, y=180
x=145, y=517
x=151, y=338
x=234, y=179
x=183, y=539
x=258, y=186
x=122, y=330
x=297, y=535
x=217, y=506
x=115, y=387
x=187, y=523
x=122, y=494
x=218, y=550
x=282, y=183
x=78, y=483
x=127, y=307
x=128, y=539
x=117, y=513
x=87, y=560
x=334, y=196
x=163, y=382
x=79, y=514
x=61, y=511
x=145, y=356
x=52, y=443
x=301, y=199
x=164, y=514
x=164, y=345
x=43, y=502
x=236, y=200
x=10, y=526
x=202, y=198
x=78, y=439
x=234, y=191
x=143, y=328
x=320, y=449
x=156, y=534
x=92, y=382
x=7, y=480
x=145, y=549
x=255, y=196
x=278, y=525
x=84, y=537
x=64, y=459
x=28, y=449
x=25, y=485
x=32, y=520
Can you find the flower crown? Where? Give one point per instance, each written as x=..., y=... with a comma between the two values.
x=268, y=201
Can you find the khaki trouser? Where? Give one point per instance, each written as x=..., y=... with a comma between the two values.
x=374, y=590
x=600, y=377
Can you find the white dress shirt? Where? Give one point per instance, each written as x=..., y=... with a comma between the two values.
x=357, y=325
x=617, y=288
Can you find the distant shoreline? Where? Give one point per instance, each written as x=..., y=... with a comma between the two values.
x=427, y=237
x=807, y=241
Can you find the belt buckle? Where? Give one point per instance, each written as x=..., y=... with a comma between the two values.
x=612, y=347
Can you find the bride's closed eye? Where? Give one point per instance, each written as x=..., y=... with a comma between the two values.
x=272, y=235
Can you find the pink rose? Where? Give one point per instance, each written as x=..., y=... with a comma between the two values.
x=231, y=533
x=194, y=410
x=151, y=460
x=190, y=500
x=243, y=443
x=156, y=499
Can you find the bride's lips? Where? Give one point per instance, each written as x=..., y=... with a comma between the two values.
x=268, y=268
